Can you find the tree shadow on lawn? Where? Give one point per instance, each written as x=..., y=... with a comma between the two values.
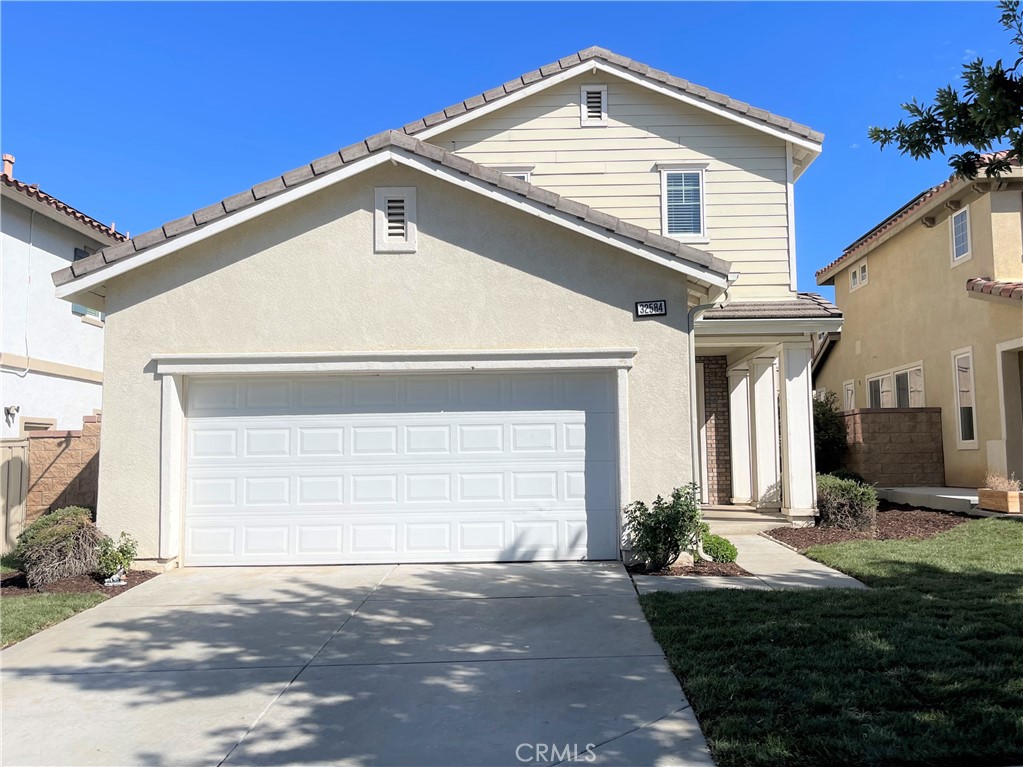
x=926, y=668
x=185, y=670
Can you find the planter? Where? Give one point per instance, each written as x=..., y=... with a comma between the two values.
x=1005, y=501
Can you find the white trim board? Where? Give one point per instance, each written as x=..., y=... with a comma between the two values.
x=392, y=362
x=593, y=66
x=396, y=155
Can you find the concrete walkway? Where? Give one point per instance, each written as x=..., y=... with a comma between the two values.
x=773, y=566
x=374, y=665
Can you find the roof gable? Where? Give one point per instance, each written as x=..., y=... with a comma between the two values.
x=31, y=195
x=397, y=147
x=601, y=59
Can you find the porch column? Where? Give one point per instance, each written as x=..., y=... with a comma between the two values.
x=799, y=487
x=764, y=406
x=739, y=435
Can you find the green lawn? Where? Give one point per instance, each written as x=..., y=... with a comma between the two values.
x=924, y=669
x=23, y=616
x=7, y=564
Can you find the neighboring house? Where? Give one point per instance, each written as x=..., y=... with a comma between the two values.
x=469, y=339
x=933, y=305
x=51, y=353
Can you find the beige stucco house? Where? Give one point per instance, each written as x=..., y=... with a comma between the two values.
x=474, y=338
x=933, y=306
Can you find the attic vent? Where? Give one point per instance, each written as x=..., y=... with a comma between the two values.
x=396, y=224
x=394, y=220
x=593, y=105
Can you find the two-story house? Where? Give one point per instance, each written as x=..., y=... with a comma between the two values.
x=933, y=305
x=51, y=352
x=475, y=338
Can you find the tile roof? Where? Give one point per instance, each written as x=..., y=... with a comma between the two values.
x=32, y=191
x=995, y=288
x=596, y=53
x=356, y=152
x=920, y=201
x=804, y=306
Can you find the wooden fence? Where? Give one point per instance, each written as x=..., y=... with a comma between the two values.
x=13, y=489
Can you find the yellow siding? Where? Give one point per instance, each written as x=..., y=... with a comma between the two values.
x=613, y=168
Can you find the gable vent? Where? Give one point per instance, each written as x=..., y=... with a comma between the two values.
x=397, y=227
x=593, y=105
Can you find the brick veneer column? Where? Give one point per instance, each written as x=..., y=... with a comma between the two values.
x=715, y=410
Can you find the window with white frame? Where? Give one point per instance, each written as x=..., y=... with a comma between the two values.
x=902, y=387
x=592, y=105
x=858, y=276
x=682, y=202
x=849, y=395
x=394, y=220
x=80, y=309
x=521, y=172
x=966, y=410
x=961, y=235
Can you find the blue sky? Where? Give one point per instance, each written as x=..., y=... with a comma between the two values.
x=140, y=113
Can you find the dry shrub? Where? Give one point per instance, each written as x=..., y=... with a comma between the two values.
x=62, y=544
x=994, y=480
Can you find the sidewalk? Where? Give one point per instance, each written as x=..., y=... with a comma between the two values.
x=773, y=566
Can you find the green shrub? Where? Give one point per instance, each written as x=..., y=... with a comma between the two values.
x=719, y=549
x=61, y=544
x=662, y=531
x=114, y=557
x=846, y=504
x=829, y=435
x=848, y=474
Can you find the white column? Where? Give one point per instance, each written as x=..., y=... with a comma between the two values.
x=799, y=486
x=764, y=406
x=739, y=435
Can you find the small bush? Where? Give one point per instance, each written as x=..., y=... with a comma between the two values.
x=58, y=545
x=994, y=480
x=847, y=474
x=114, y=557
x=829, y=435
x=719, y=549
x=662, y=531
x=845, y=504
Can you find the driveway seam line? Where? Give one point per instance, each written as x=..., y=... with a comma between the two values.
x=634, y=729
x=280, y=693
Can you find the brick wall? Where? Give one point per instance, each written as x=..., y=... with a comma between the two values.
x=715, y=396
x=63, y=468
x=896, y=447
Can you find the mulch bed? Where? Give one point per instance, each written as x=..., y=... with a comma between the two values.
x=895, y=522
x=699, y=568
x=15, y=585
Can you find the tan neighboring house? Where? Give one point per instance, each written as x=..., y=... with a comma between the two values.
x=472, y=339
x=933, y=306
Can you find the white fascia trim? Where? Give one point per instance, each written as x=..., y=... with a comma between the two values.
x=677, y=264
x=396, y=155
x=229, y=221
x=591, y=66
x=355, y=363
x=767, y=327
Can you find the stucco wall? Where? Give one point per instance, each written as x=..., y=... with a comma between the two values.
x=37, y=325
x=305, y=278
x=915, y=308
x=613, y=167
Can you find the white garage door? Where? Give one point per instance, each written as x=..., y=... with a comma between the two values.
x=440, y=468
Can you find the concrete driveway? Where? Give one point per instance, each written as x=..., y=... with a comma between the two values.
x=364, y=665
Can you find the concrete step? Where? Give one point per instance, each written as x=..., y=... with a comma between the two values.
x=740, y=520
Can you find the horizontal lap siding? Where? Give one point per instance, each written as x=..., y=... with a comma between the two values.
x=613, y=168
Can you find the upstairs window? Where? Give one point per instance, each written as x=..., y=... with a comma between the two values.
x=84, y=311
x=682, y=202
x=394, y=220
x=593, y=105
x=858, y=276
x=521, y=172
x=961, y=236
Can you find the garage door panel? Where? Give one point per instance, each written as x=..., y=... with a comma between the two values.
x=273, y=476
